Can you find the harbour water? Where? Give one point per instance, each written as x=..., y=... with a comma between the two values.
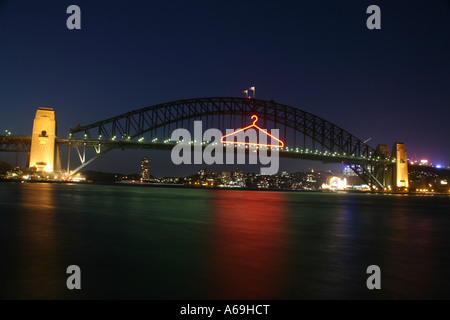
x=167, y=243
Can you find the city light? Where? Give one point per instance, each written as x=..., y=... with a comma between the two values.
x=336, y=183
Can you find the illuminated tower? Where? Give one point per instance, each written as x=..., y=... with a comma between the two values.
x=400, y=174
x=145, y=169
x=42, y=155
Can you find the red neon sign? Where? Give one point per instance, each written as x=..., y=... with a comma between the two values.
x=281, y=145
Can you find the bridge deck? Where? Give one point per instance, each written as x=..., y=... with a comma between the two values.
x=23, y=144
x=283, y=152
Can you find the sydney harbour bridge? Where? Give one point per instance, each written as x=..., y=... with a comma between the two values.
x=305, y=136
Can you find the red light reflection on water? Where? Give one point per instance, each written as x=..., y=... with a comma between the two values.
x=249, y=245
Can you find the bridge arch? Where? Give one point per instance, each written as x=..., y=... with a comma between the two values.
x=128, y=130
x=135, y=124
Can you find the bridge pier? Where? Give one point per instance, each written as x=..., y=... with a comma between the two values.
x=400, y=172
x=43, y=141
x=394, y=175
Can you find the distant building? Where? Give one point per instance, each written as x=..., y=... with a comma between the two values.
x=145, y=169
x=201, y=173
x=263, y=184
x=226, y=177
x=238, y=178
x=349, y=172
x=238, y=175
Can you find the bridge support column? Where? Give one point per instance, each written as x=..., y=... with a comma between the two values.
x=43, y=144
x=400, y=172
x=68, y=159
x=57, y=167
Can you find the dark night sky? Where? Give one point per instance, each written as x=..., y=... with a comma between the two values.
x=390, y=85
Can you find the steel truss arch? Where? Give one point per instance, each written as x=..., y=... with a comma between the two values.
x=138, y=122
x=127, y=130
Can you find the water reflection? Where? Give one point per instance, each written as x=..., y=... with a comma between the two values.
x=248, y=245
x=324, y=246
x=163, y=243
x=393, y=233
x=37, y=275
x=411, y=263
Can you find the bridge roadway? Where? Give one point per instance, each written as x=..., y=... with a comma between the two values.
x=23, y=144
x=15, y=143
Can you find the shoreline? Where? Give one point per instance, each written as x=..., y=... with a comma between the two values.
x=183, y=186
